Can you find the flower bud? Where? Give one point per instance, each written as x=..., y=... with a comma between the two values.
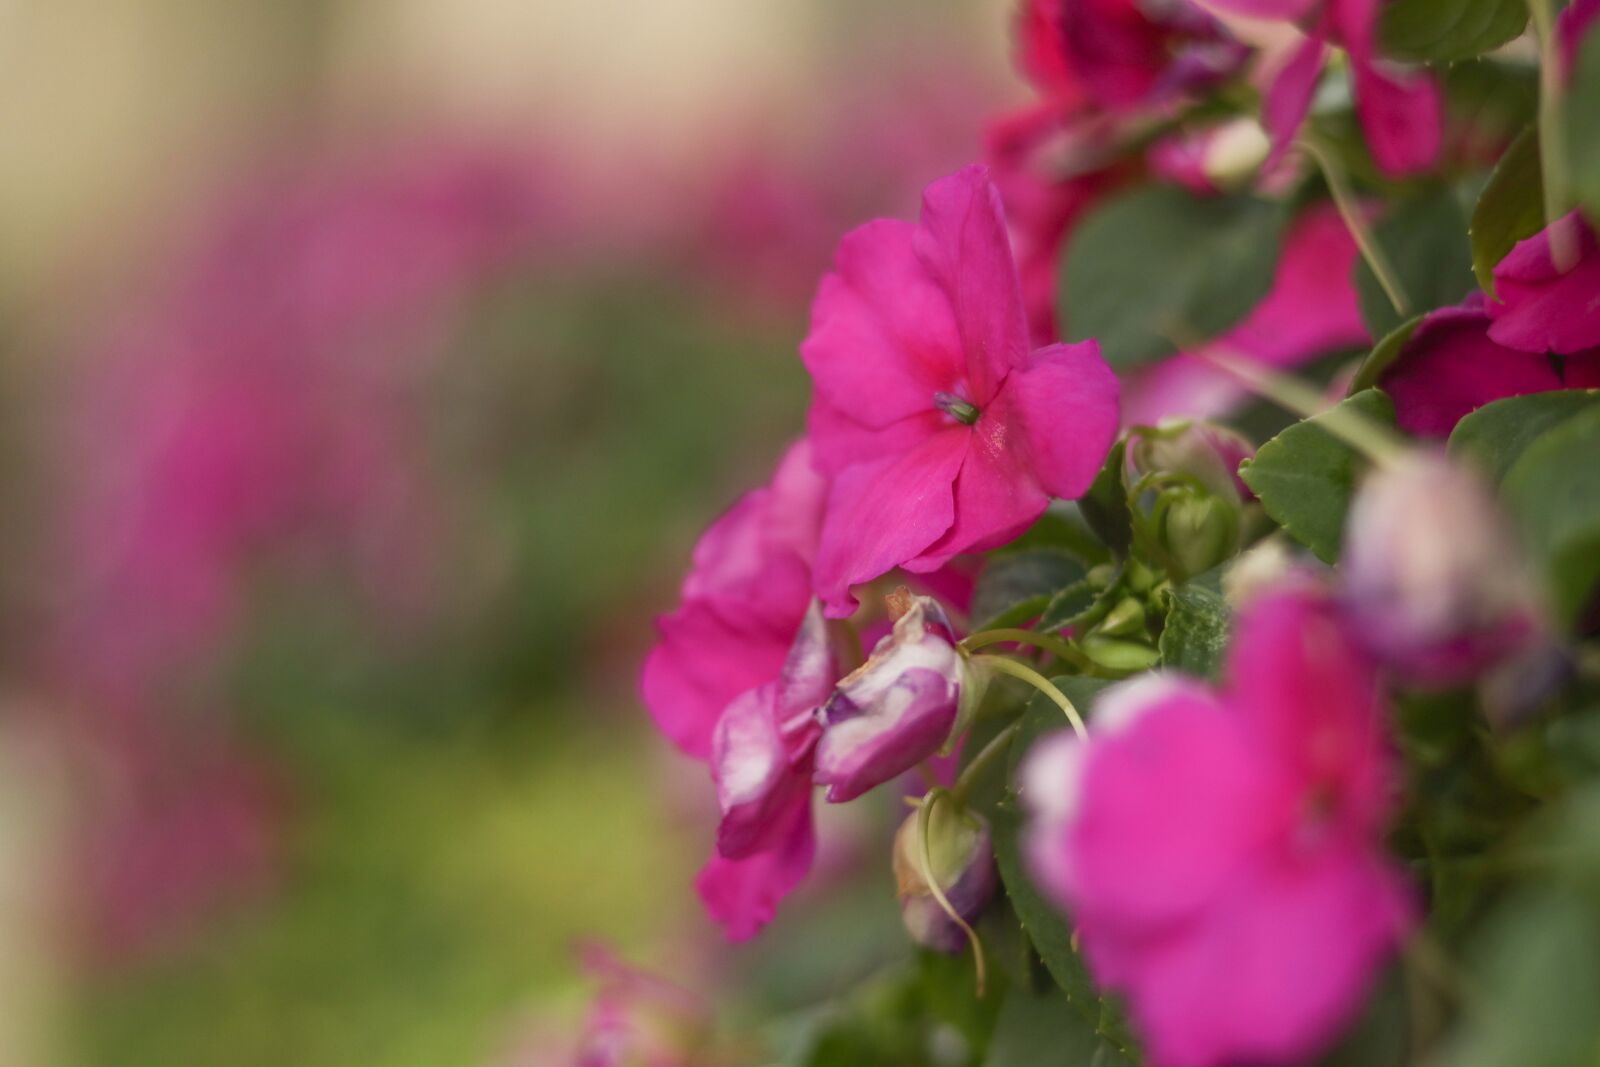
x=1205, y=451
x=1198, y=530
x=1434, y=584
x=960, y=859
x=898, y=708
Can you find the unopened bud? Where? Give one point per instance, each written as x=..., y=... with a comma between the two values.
x=958, y=855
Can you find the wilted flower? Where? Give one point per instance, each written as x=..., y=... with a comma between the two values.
x=943, y=432
x=1433, y=580
x=1199, y=835
x=898, y=708
x=959, y=857
x=761, y=761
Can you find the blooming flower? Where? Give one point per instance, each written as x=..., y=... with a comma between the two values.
x=1198, y=834
x=1452, y=365
x=1545, y=307
x=741, y=604
x=944, y=434
x=898, y=708
x=1432, y=581
x=761, y=760
x=960, y=859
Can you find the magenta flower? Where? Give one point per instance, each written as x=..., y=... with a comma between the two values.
x=741, y=604
x=761, y=760
x=895, y=710
x=1433, y=584
x=1310, y=311
x=944, y=434
x=1199, y=834
x=1451, y=366
x=1543, y=307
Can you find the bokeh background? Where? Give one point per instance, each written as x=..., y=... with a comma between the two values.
x=369, y=367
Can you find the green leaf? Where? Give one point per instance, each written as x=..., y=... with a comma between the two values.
x=1383, y=355
x=1553, y=490
x=1582, y=123
x=1444, y=31
x=1496, y=435
x=1425, y=239
x=1039, y=1030
x=1105, y=506
x=1017, y=586
x=1160, y=262
x=1195, y=636
x=1063, y=527
x=1510, y=209
x=1305, y=476
x=1381, y=1036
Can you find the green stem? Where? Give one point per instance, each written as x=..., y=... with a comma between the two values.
x=1552, y=137
x=1054, y=645
x=1344, y=198
x=981, y=762
x=925, y=831
x=1043, y=685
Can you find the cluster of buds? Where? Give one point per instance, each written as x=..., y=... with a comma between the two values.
x=1192, y=468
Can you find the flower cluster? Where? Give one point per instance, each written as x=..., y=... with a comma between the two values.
x=1311, y=683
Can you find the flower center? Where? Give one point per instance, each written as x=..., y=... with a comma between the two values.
x=962, y=411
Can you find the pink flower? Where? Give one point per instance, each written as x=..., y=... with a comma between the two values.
x=1434, y=586
x=1401, y=109
x=1451, y=366
x=1542, y=307
x=944, y=434
x=1200, y=834
x=761, y=760
x=741, y=604
x=1310, y=311
x=898, y=708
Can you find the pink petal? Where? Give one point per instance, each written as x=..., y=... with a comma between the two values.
x=1171, y=804
x=1571, y=27
x=743, y=895
x=1278, y=10
x=997, y=495
x=1402, y=114
x=1065, y=403
x=882, y=514
x=1299, y=945
x=883, y=335
x=1450, y=368
x=962, y=241
x=840, y=441
x=1543, y=309
x=1289, y=96
x=757, y=788
x=1583, y=370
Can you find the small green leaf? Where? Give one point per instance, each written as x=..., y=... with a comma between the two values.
x=1496, y=434
x=1553, y=491
x=1444, y=31
x=1305, y=476
x=1016, y=586
x=1383, y=355
x=1105, y=506
x=1425, y=240
x=1583, y=125
x=1160, y=263
x=1510, y=209
x=1196, y=633
x=1040, y=1030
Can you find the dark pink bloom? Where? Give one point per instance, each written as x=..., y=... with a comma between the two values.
x=761, y=760
x=943, y=432
x=1310, y=311
x=1543, y=307
x=1451, y=366
x=1433, y=584
x=1239, y=833
x=895, y=710
x=741, y=604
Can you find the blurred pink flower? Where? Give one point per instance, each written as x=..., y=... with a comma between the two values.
x=1199, y=833
x=942, y=431
x=741, y=604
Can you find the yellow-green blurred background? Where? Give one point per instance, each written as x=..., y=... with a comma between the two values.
x=368, y=369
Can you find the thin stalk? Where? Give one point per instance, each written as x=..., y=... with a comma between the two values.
x=1043, y=685
x=1344, y=198
x=925, y=830
x=1050, y=643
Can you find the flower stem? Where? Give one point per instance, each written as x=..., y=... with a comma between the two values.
x=1043, y=685
x=1344, y=198
x=981, y=762
x=1054, y=645
x=1552, y=137
x=925, y=832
